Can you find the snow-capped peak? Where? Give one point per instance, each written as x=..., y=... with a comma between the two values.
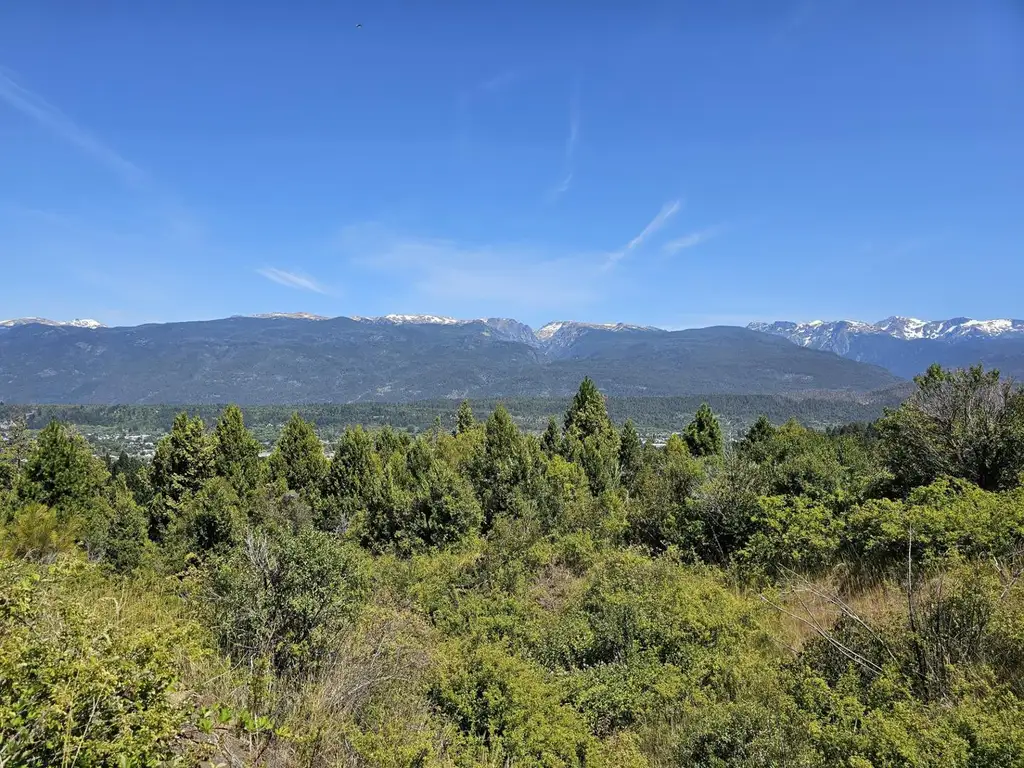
x=76, y=323
x=289, y=316
x=835, y=336
x=422, y=320
x=545, y=332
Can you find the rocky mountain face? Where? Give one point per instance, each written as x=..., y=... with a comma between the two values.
x=906, y=346
x=397, y=358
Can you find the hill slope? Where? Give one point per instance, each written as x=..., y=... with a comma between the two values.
x=299, y=360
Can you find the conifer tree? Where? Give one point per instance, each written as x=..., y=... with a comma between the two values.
x=184, y=459
x=61, y=471
x=504, y=466
x=298, y=458
x=551, y=440
x=703, y=435
x=631, y=453
x=236, y=453
x=464, y=420
x=590, y=438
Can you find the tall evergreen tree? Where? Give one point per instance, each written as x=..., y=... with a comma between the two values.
x=183, y=460
x=590, y=438
x=631, y=453
x=703, y=435
x=353, y=481
x=464, y=420
x=126, y=533
x=236, y=453
x=760, y=430
x=504, y=466
x=587, y=414
x=61, y=470
x=551, y=440
x=389, y=442
x=298, y=459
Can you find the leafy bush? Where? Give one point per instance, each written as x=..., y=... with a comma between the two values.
x=80, y=687
x=284, y=597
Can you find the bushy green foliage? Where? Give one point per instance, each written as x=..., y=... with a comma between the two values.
x=479, y=596
x=236, y=453
x=504, y=470
x=704, y=434
x=298, y=460
x=284, y=597
x=965, y=423
x=184, y=460
x=354, y=481
x=79, y=686
x=61, y=471
x=464, y=420
x=589, y=437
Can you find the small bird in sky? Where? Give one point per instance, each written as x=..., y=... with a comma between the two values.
x=359, y=26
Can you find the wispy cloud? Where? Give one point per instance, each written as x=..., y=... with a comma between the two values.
x=668, y=210
x=32, y=105
x=292, y=279
x=565, y=182
x=472, y=277
x=691, y=240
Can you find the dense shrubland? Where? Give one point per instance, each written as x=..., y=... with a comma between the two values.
x=482, y=596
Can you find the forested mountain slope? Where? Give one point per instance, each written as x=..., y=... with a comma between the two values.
x=296, y=360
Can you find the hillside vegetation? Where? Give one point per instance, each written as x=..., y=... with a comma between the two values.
x=135, y=428
x=259, y=361
x=480, y=596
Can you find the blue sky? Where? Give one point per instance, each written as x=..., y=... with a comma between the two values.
x=668, y=163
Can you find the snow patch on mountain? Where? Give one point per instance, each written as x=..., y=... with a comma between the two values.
x=835, y=335
x=76, y=323
x=289, y=316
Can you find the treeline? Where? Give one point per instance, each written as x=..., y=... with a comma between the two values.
x=650, y=414
x=481, y=595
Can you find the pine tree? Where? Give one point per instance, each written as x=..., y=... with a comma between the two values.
x=354, y=479
x=464, y=420
x=551, y=440
x=761, y=431
x=298, y=459
x=504, y=467
x=126, y=534
x=588, y=414
x=590, y=438
x=236, y=453
x=631, y=454
x=703, y=435
x=389, y=442
x=184, y=459
x=61, y=471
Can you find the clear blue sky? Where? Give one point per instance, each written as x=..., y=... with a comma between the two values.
x=677, y=163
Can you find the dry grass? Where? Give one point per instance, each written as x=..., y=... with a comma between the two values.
x=808, y=607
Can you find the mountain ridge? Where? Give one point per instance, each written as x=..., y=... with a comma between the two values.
x=906, y=346
x=287, y=360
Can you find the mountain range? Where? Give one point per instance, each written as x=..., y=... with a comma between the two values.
x=304, y=358
x=906, y=346
x=282, y=358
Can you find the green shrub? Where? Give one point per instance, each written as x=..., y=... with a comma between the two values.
x=79, y=687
